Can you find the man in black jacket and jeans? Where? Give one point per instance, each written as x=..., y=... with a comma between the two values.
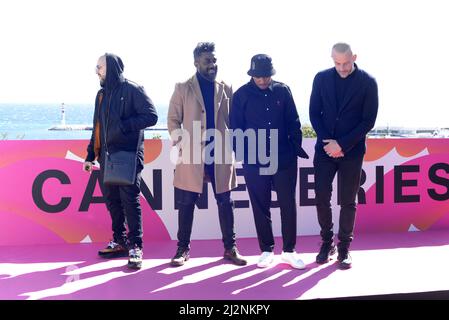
x=122, y=112
x=343, y=109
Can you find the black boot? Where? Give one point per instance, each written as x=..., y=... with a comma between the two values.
x=181, y=256
x=226, y=217
x=234, y=256
x=327, y=249
x=344, y=258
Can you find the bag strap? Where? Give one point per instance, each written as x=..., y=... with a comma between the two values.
x=97, y=144
x=107, y=120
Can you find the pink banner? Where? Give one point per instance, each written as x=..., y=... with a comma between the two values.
x=411, y=186
x=45, y=197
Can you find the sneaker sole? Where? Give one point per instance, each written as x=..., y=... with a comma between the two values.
x=113, y=255
x=295, y=267
x=265, y=265
x=344, y=266
x=178, y=264
x=237, y=263
x=135, y=266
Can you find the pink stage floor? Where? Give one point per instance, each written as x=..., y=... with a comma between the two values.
x=382, y=264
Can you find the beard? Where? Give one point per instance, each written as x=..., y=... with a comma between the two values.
x=209, y=74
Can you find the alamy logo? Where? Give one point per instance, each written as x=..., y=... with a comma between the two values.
x=261, y=147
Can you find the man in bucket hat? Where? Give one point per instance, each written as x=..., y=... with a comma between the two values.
x=267, y=108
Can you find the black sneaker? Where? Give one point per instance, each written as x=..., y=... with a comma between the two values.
x=234, y=256
x=344, y=259
x=113, y=250
x=181, y=256
x=135, y=258
x=327, y=249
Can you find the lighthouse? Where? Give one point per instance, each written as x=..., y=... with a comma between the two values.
x=67, y=127
x=62, y=114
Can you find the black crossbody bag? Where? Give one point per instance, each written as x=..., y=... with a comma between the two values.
x=119, y=167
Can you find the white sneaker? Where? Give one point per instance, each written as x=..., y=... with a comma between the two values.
x=293, y=260
x=266, y=258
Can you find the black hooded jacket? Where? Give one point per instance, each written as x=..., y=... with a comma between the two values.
x=123, y=114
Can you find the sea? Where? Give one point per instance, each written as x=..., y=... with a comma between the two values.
x=27, y=121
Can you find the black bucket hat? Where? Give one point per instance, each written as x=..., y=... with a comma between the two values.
x=261, y=66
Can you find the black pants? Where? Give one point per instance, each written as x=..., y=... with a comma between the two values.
x=259, y=189
x=123, y=203
x=349, y=172
x=186, y=205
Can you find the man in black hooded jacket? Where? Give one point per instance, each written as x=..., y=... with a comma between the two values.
x=122, y=112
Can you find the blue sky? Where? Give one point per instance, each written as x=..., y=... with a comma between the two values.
x=50, y=48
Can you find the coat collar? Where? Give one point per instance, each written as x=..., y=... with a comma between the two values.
x=218, y=93
x=255, y=88
x=355, y=87
x=330, y=84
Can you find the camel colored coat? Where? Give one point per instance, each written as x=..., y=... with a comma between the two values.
x=186, y=122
